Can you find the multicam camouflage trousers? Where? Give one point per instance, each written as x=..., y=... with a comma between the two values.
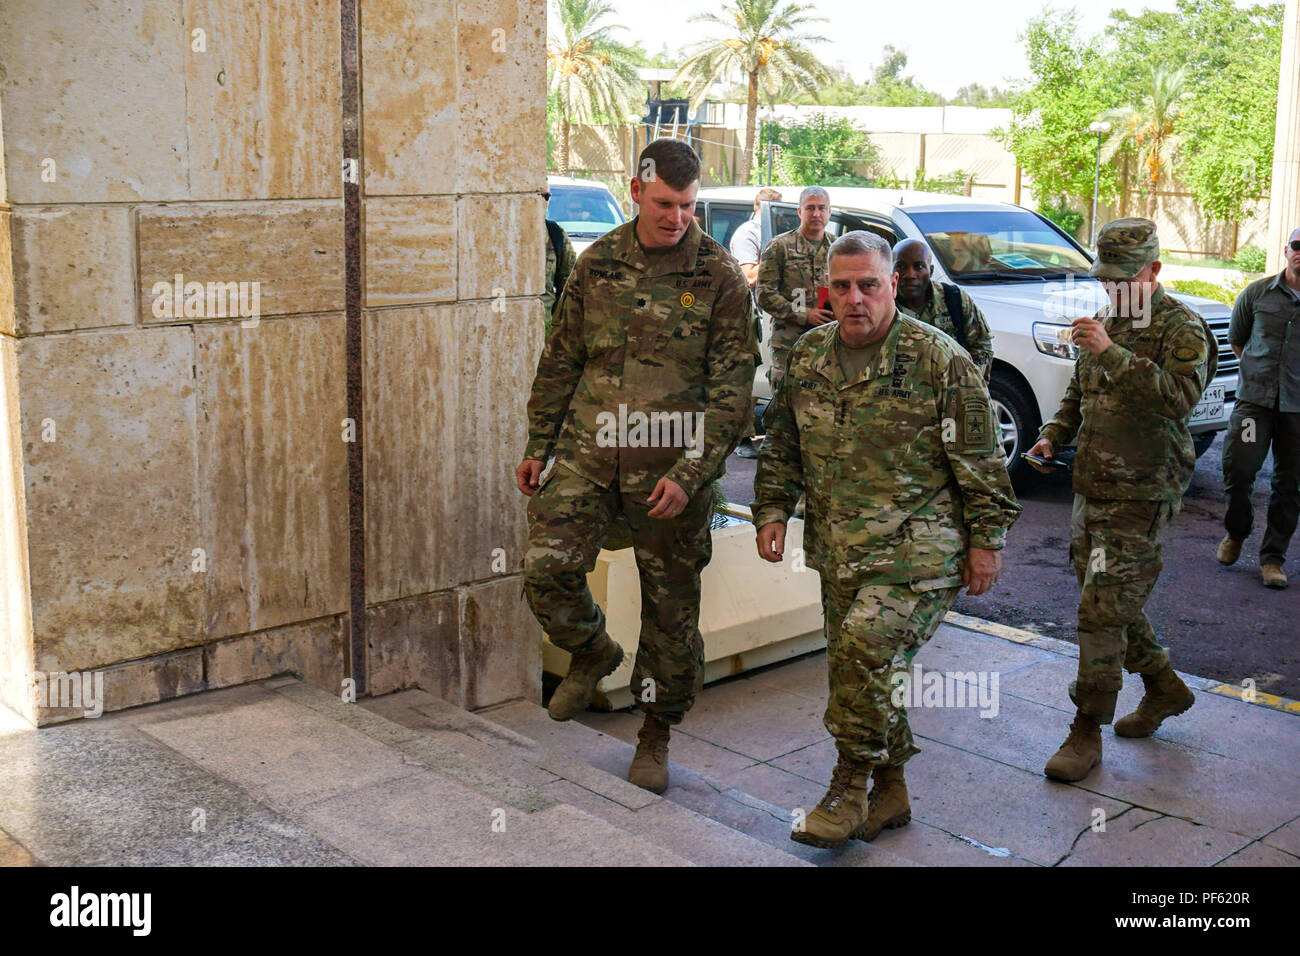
x=1115, y=549
x=872, y=633
x=568, y=518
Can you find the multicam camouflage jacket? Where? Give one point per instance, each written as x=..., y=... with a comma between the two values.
x=791, y=263
x=1129, y=406
x=902, y=466
x=649, y=368
x=979, y=340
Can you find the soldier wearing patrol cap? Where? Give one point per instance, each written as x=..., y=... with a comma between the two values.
x=643, y=390
x=1143, y=363
x=884, y=422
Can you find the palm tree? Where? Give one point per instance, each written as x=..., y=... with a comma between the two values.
x=765, y=46
x=1147, y=126
x=591, y=74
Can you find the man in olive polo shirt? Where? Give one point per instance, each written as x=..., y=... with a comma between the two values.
x=1265, y=335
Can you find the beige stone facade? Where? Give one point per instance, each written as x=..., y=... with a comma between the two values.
x=174, y=483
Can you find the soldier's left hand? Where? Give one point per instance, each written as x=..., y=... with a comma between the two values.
x=672, y=499
x=981, y=569
x=1090, y=334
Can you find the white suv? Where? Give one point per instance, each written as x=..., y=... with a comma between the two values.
x=584, y=208
x=1027, y=276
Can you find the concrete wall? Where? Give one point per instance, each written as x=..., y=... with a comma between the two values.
x=174, y=494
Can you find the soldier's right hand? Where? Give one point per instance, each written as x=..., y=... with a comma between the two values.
x=1043, y=450
x=820, y=316
x=771, y=541
x=527, y=474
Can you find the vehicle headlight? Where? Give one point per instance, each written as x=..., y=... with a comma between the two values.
x=1053, y=339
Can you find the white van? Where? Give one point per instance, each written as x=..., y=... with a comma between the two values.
x=1030, y=281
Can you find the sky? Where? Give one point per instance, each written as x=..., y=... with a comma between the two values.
x=949, y=43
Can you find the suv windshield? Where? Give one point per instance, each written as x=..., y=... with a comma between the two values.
x=585, y=212
x=999, y=244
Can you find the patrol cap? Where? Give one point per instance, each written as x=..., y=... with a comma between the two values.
x=1124, y=247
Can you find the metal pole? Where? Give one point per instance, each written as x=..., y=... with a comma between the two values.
x=1096, y=186
x=771, y=133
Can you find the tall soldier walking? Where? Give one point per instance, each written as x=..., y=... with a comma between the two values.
x=654, y=325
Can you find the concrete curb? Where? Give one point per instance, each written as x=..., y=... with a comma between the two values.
x=1019, y=635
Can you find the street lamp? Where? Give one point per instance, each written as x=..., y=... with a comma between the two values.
x=1101, y=128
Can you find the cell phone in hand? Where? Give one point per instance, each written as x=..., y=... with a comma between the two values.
x=824, y=298
x=1046, y=462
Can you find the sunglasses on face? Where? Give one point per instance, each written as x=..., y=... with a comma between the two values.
x=1295, y=245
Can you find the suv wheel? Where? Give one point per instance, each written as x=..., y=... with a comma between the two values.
x=1017, y=420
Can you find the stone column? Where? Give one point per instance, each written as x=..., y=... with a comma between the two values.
x=173, y=468
x=1284, y=195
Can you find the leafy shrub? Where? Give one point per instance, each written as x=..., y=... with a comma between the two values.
x=1068, y=219
x=821, y=150
x=1251, y=259
x=1220, y=293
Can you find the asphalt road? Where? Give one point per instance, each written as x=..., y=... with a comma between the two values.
x=1217, y=622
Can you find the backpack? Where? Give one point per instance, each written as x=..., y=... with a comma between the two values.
x=557, y=243
x=952, y=299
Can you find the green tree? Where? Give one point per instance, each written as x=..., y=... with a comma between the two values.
x=1231, y=56
x=763, y=43
x=839, y=90
x=591, y=75
x=819, y=150
x=1148, y=127
x=889, y=87
x=1069, y=90
x=975, y=94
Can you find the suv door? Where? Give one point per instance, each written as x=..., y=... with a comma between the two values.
x=775, y=218
x=722, y=218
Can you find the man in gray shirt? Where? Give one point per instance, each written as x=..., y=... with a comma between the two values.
x=1265, y=335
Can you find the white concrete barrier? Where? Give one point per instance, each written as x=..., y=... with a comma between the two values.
x=752, y=612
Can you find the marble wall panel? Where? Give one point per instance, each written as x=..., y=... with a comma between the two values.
x=293, y=250
x=73, y=268
x=110, y=460
x=98, y=89
x=273, y=471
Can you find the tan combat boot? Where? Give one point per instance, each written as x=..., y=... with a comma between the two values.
x=842, y=811
x=1272, y=575
x=649, y=768
x=1229, y=550
x=887, y=804
x=1080, y=752
x=585, y=671
x=1166, y=696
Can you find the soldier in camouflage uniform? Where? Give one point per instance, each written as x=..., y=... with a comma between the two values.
x=1143, y=364
x=557, y=267
x=790, y=270
x=884, y=422
x=924, y=299
x=642, y=391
